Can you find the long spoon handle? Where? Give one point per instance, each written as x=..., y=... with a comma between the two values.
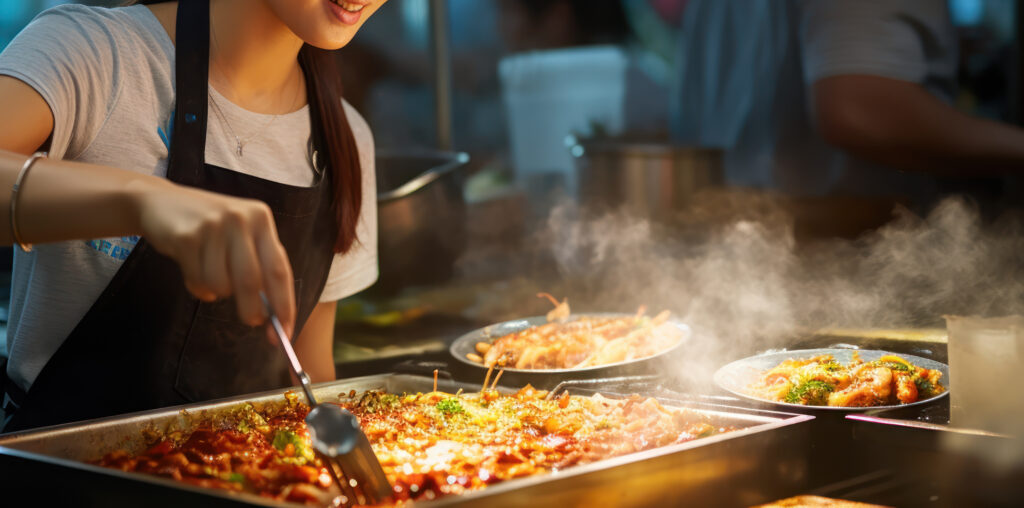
x=293, y=359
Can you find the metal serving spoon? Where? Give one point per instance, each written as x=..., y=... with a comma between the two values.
x=337, y=438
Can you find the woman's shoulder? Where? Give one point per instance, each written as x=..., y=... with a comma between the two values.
x=127, y=25
x=362, y=134
x=92, y=16
x=360, y=129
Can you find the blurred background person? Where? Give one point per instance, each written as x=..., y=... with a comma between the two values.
x=836, y=98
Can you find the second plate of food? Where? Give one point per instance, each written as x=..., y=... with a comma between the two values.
x=836, y=379
x=579, y=343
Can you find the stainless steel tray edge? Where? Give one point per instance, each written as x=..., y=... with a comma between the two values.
x=136, y=477
x=66, y=440
x=62, y=445
x=666, y=476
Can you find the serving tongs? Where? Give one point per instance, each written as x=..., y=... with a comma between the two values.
x=337, y=438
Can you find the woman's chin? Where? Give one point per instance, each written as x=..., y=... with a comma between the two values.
x=331, y=43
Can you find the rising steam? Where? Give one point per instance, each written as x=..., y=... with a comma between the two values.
x=747, y=284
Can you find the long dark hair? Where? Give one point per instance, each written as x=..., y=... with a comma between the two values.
x=321, y=70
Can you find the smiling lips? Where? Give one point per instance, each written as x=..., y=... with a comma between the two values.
x=349, y=6
x=348, y=13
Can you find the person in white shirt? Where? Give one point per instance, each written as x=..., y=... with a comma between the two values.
x=200, y=156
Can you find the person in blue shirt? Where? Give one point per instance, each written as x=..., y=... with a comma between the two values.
x=833, y=97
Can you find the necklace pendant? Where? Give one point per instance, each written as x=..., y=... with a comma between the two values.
x=238, y=148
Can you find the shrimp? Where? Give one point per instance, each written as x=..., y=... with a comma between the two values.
x=870, y=387
x=906, y=389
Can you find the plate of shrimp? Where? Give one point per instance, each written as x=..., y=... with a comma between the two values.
x=836, y=379
x=564, y=342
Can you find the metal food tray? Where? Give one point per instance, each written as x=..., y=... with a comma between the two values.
x=763, y=460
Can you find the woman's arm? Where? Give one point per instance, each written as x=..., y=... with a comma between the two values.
x=224, y=245
x=315, y=346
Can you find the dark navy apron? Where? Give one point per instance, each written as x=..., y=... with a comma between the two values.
x=147, y=342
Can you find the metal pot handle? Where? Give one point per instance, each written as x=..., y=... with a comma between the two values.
x=428, y=176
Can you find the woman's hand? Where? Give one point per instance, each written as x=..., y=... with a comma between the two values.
x=224, y=245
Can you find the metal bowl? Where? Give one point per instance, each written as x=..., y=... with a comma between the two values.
x=421, y=217
x=651, y=180
x=737, y=376
x=467, y=344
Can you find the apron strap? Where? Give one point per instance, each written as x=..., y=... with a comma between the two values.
x=191, y=86
x=12, y=394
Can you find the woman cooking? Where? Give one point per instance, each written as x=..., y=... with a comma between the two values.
x=197, y=154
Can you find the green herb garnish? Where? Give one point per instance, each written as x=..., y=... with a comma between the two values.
x=283, y=438
x=450, y=406
x=371, y=402
x=898, y=366
x=812, y=393
x=236, y=477
x=925, y=388
x=831, y=367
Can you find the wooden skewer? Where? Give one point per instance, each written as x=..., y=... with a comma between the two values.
x=496, y=378
x=487, y=378
x=435, y=380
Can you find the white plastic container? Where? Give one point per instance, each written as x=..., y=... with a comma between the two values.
x=986, y=358
x=550, y=94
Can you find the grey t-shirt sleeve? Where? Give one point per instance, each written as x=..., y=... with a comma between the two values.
x=66, y=54
x=875, y=37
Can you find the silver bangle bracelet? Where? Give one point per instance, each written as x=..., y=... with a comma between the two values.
x=27, y=247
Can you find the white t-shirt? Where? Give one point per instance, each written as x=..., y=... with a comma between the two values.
x=108, y=77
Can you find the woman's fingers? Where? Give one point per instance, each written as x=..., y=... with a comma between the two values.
x=225, y=246
x=246, y=276
x=249, y=259
x=190, y=260
x=278, y=280
x=215, y=264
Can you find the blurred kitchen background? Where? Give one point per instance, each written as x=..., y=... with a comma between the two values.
x=553, y=124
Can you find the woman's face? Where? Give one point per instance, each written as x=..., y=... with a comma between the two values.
x=326, y=24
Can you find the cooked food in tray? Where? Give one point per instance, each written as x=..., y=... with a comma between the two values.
x=816, y=502
x=429, y=444
x=566, y=342
x=822, y=381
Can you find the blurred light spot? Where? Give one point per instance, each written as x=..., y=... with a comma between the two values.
x=966, y=12
x=416, y=22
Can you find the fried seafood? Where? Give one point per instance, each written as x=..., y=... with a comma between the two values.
x=816, y=501
x=573, y=343
x=822, y=381
x=429, y=444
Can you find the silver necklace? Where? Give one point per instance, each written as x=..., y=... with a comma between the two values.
x=239, y=141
